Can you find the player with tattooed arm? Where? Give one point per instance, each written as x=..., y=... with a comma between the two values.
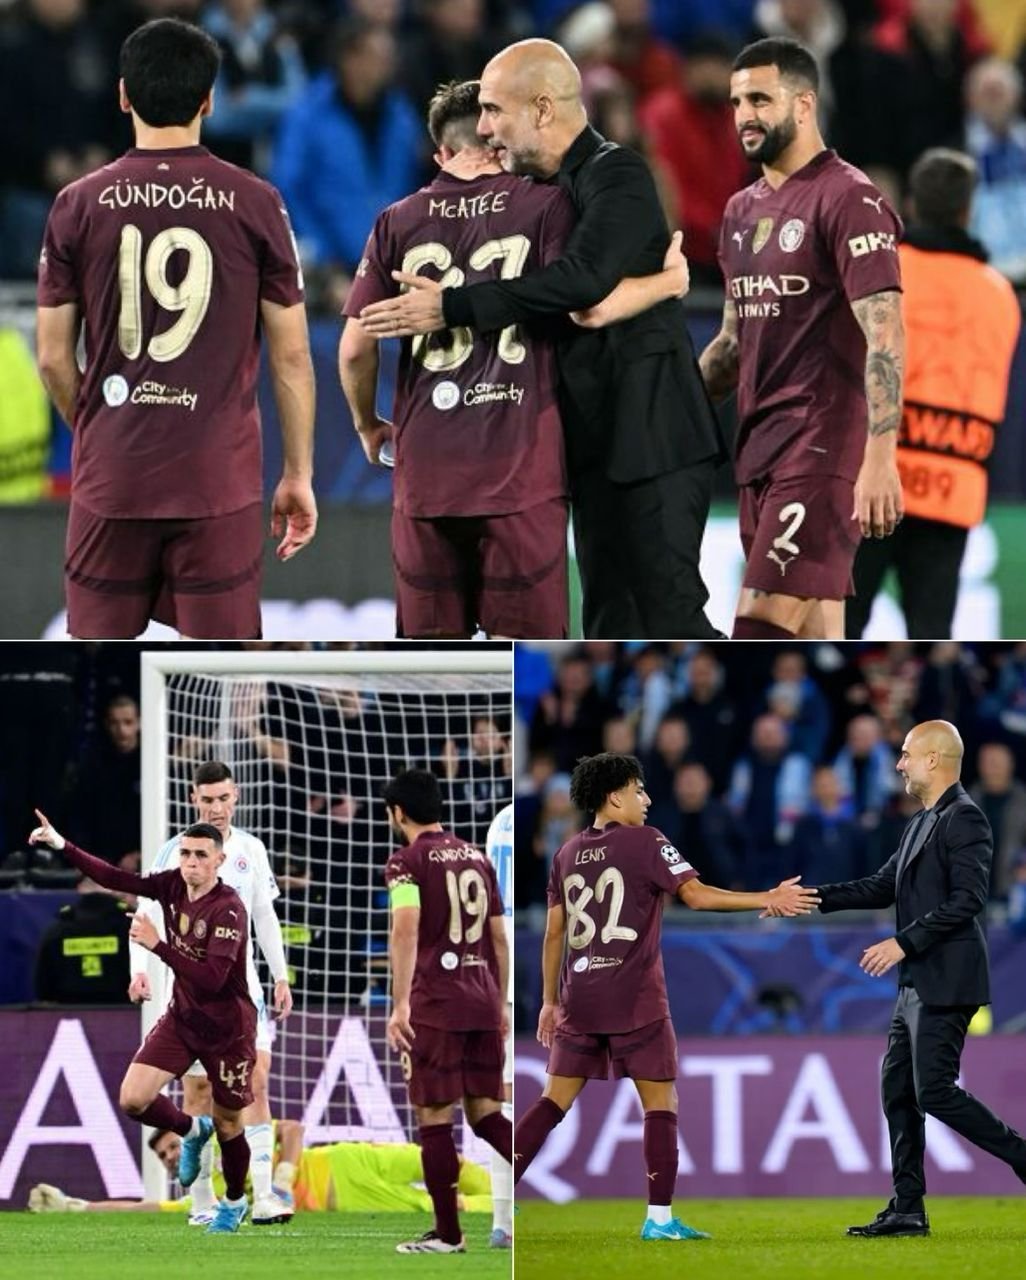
x=812, y=340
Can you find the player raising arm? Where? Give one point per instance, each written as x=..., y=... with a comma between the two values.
x=604, y=1000
x=450, y=966
x=247, y=870
x=211, y=1016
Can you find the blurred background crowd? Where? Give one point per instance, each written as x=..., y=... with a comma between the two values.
x=327, y=98
x=763, y=761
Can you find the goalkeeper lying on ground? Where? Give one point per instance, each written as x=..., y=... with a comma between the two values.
x=349, y=1176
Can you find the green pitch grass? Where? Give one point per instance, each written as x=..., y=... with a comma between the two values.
x=979, y=1239
x=137, y=1246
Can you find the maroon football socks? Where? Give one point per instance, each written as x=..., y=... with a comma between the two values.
x=234, y=1165
x=660, y=1155
x=497, y=1131
x=534, y=1127
x=163, y=1114
x=441, y=1174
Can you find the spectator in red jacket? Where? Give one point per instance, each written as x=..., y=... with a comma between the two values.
x=690, y=130
x=645, y=62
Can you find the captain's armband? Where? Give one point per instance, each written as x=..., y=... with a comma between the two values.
x=405, y=894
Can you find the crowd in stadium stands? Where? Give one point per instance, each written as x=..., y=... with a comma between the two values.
x=327, y=98
x=69, y=744
x=763, y=761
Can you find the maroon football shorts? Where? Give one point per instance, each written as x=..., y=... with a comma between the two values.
x=200, y=576
x=647, y=1053
x=229, y=1066
x=444, y=1066
x=798, y=536
x=504, y=574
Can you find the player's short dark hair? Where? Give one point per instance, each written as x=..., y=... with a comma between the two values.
x=211, y=771
x=790, y=57
x=204, y=831
x=453, y=114
x=941, y=184
x=156, y=1136
x=168, y=66
x=596, y=778
x=417, y=793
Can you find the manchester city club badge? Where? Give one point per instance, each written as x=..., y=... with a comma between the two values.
x=792, y=233
x=763, y=230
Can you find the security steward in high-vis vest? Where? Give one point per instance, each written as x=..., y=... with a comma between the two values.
x=83, y=955
x=962, y=323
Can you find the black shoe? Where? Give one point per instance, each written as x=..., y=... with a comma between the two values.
x=892, y=1223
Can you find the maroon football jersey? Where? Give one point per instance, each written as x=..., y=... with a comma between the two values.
x=168, y=254
x=794, y=260
x=477, y=428
x=610, y=883
x=202, y=936
x=455, y=984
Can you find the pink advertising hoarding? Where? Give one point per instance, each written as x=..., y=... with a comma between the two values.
x=771, y=1116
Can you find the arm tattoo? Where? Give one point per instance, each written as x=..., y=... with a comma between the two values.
x=720, y=361
x=879, y=316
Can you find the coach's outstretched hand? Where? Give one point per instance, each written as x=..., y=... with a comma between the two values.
x=790, y=898
x=293, y=516
x=46, y=834
x=418, y=309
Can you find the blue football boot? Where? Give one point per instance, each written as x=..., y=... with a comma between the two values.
x=189, y=1160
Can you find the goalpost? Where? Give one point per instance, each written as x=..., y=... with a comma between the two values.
x=311, y=737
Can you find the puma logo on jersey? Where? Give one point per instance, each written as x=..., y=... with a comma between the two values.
x=771, y=554
x=739, y=236
x=877, y=203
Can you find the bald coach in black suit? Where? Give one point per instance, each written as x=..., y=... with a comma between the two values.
x=642, y=437
x=938, y=880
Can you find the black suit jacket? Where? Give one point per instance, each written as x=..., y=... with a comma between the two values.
x=940, y=895
x=632, y=396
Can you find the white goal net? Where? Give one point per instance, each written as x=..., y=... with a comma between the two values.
x=311, y=738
